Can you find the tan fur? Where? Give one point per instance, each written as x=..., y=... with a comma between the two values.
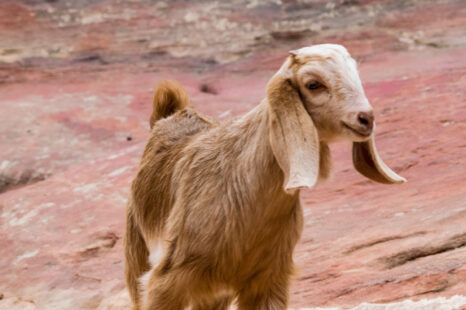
x=216, y=206
x=168, y=98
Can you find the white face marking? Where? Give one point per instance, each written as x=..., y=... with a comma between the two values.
x=342, y=97
x=335, y=66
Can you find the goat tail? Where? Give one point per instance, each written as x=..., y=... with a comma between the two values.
x=169, y=98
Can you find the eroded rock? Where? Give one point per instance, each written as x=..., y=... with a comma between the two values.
x=76, y=91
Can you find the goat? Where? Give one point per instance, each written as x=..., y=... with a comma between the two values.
x=214, y=213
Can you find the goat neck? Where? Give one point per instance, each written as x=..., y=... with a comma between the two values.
x=255, y=163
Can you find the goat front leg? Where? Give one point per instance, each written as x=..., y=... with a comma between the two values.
x=266, y=296
x=220, y=303
x=165, y=292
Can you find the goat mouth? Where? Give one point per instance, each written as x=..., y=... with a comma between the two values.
x=363, y=134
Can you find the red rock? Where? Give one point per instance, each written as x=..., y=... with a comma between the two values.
x=15, y=17
x=75, y=98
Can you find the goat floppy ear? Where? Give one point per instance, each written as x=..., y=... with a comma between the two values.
x=367, y=161
x=293, y=136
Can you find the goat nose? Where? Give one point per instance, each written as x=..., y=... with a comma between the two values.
x=366, y=119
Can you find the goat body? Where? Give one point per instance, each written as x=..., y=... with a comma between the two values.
x=214, y=213
x=211, y=197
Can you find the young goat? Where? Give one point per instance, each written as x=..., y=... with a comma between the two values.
x=214, y=213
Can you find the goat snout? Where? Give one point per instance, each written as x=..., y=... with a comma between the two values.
x=366, y=121
x=360, y=123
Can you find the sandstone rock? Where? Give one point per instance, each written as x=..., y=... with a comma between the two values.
x=76, y=88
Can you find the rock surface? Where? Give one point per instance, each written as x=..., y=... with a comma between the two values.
x=76, y=81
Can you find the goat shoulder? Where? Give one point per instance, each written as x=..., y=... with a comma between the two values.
x=152, y=186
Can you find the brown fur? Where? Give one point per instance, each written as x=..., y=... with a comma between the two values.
x=227, y=224
x=169, y=98
x=220, y=202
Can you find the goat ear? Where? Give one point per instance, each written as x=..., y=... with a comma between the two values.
x=367, y=161
x=293, y=136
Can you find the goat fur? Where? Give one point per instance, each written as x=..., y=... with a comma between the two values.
x=214, y=213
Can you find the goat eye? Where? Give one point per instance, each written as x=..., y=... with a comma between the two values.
x=313, y=85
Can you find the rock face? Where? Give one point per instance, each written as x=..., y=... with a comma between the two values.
x=76, y=81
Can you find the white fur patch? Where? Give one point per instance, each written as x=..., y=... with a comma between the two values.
x=155, y=256
x=335, y=58
x=156, y=252
x=143, y=280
